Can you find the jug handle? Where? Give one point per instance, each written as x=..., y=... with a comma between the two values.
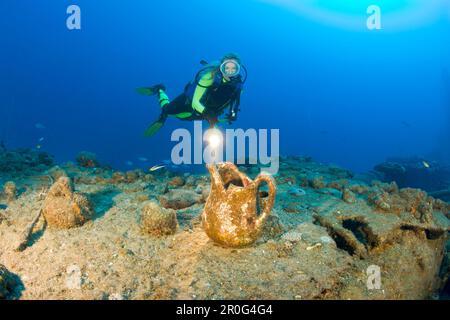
x=271, y=201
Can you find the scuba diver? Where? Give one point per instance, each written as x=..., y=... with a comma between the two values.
x=216, y=87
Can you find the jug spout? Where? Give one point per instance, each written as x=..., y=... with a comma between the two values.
x=216, y=180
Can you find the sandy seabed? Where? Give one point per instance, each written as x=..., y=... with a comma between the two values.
x=326, y=229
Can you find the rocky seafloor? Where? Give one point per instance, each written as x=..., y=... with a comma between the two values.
x=328, y=227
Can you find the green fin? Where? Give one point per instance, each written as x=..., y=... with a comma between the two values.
x=154, y=128
x=146, y=91
x=183, y=115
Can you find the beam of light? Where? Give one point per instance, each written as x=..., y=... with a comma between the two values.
x=214, y=152
x=214, y=141
x=351, y=14
x=214, y=138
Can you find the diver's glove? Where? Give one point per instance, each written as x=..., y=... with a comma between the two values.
x=210, y=116
x=207, y=114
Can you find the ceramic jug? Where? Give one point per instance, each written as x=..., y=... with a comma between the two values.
x=230, y=216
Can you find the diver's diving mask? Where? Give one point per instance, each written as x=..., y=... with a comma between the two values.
x=230, y=68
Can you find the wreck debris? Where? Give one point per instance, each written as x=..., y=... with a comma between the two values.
x=415, y=172
x=27, y=233
x=345, y=239
x=407, y=241
x=379, y=199
x=362, y=231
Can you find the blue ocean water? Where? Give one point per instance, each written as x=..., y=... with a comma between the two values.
x=337, y=91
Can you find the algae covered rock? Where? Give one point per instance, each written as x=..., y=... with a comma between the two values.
x=177, y=182
x=24, y=160
x=359, y=189
x=338, y=184
x=56, y=172
x=318, y=183
x=296, y=192
x=6, y=282
x=180, y=199
x=87, y=159
x=158, y=221
x=273, y=227
x=348, y=196
x=313, y=234
x=10, y=191
x=64, y=208
x=118, y=177
x=132, y=176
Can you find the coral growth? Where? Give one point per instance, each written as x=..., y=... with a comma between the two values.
x=317, y=243
x=158, y=221
x=10, y=191
x=24, y=160
x=87, y=159
x=180, y=199
x=56, y=172
x=388, y=198
x=318, y=183
x=348, y=196
x=177, y=182
x=7, y=283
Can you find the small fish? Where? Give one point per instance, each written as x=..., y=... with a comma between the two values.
x=129, y=163
x=143, y=159
x=38, y=146
x=154, y=168
x=406, y=124
x=41, y=139
x=314, y=246
x=39, y=126
x=425, y=164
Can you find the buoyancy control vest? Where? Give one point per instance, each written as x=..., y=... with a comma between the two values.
x=220, y=94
